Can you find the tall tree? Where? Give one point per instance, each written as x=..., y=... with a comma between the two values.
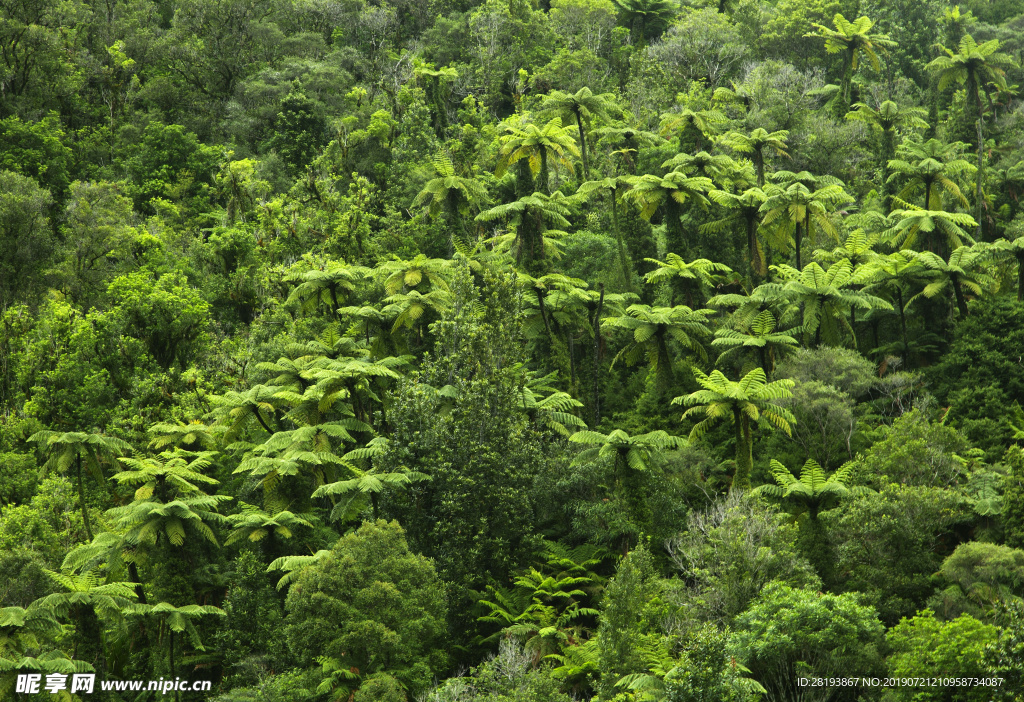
x=799, y=209
x=651, y=192
x=960, y=271
x=852, y=39
x=537, y=147
x=814, y=491
x=934, y=230
x=929, y=168
x=889, y=118
x=825, y=299
x=645, y=19
x=762, y=336
x=632, y=457
x=538, y=219
x=974, y=66
x=615, y=188
x=752, y=399
x=73, y=449
x=1015, y=249
x=698, y=124
x=583, y=107
x=653, y=327
x=744, y=207
x=756, y=143
x=450, y=195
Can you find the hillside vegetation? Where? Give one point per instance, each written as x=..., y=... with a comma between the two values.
x=461, y=351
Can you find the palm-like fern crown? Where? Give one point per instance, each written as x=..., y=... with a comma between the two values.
x=652, y=326
x=814, y=490
x=962, y=265
x=889, y=116
x=757, y=141
x=145, y=522
x=914, y=226
x=825, y=296
x=398, y=274
x=752, y=396
x=853, y=38
x=704, y=121
x=255, y=524
x=650, y=191
x=930, y=167
x=449, y=189
x=534, y=144
x=705, y=164
x=702, y=270
x=552, y=209
x=617, y=185
x=858, y=249
x=64, y=448
x=971, y=61
x=179, y=470
x=87, y=589
x=584, y=104
x=760, y=334
x=634, y=451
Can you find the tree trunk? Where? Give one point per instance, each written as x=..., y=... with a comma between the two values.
x=583, y=146
x=133, y=575
x=543, y=177
x=755, y=259
x=1020, y=277
x=759, y=165
x=903, y=321
x=172, y=664
x=799, y=242
x=627, y=271
x=81, y=498
x=544, y=315
x=888, y=149
x=744, y=452
x=597, y=359
x=958, y=293
x=981, y=166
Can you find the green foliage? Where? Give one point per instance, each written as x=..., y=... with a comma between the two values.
x=1013, y=498
x=372, y=604
x=510, y=676
x=629, y=620
x=979, y=377
x=752, y=399
x=891, y=543
x=459, y=422
x=37, y=150
x=269, y=268
x=728, y=554
x=981, y=576
x=792, y=633
x=25, y=236
x=924, y=643
x=252, y=637
x=914, y=451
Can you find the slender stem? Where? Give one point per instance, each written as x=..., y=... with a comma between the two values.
x=597, y=358
x=583, y=145
x=81, y=497
x=627, y=271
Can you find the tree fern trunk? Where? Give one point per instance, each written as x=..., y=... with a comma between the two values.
x=81, y=497
x=583, y=146
x=744, y=452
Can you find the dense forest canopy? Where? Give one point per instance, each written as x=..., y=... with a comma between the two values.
x=479, y=351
